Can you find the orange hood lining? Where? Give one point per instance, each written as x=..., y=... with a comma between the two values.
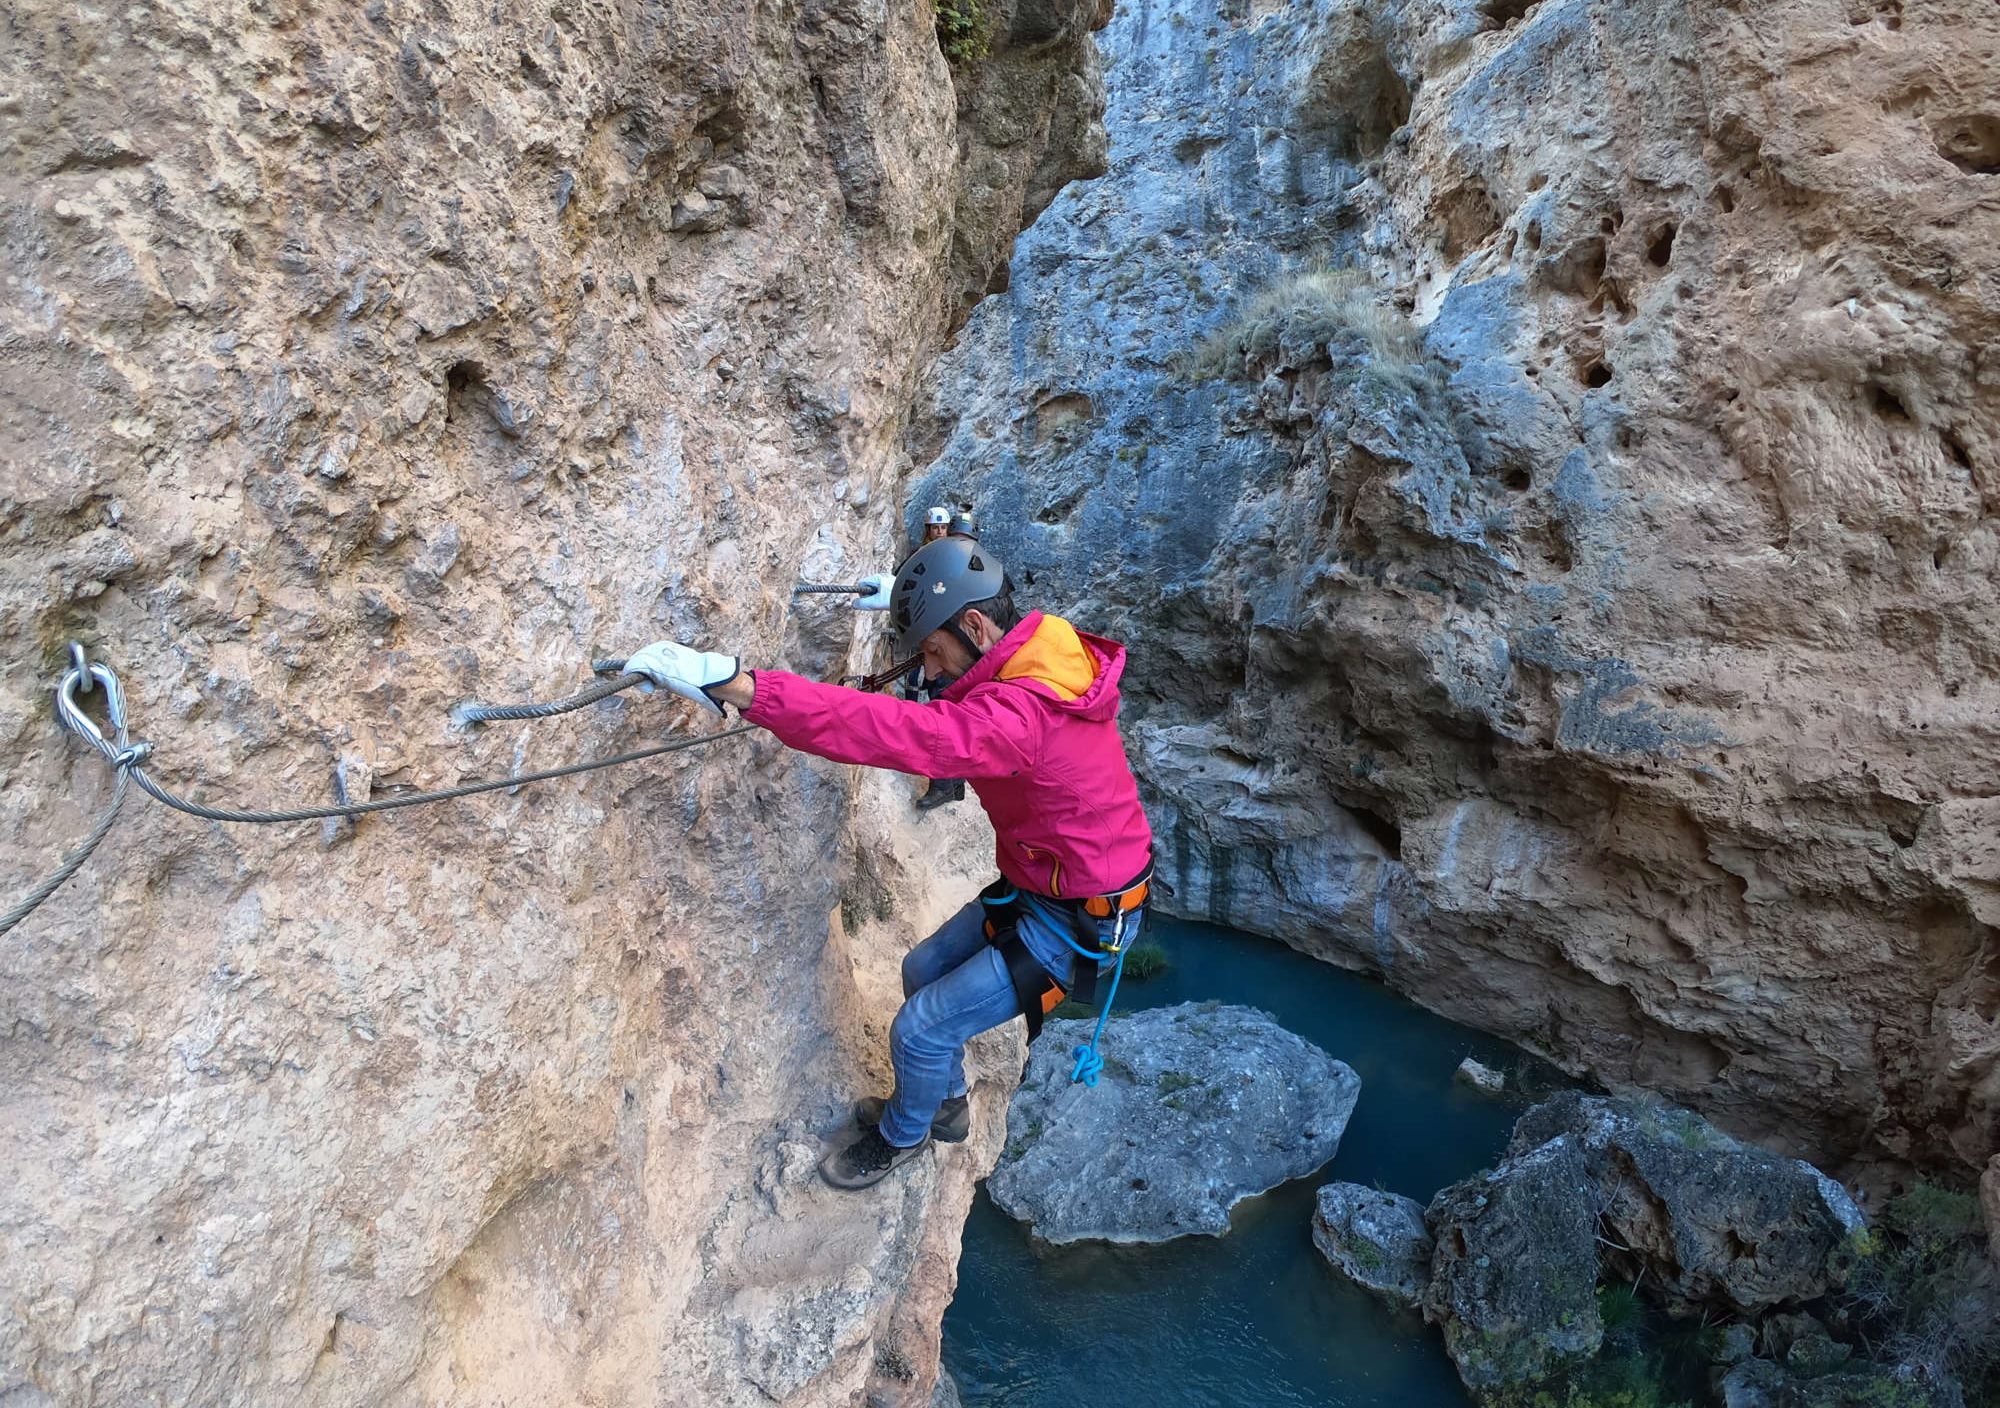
x=1055, y=656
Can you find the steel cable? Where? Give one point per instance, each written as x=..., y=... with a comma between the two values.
x=471, y=713
x=72, y=862
x=180, y=804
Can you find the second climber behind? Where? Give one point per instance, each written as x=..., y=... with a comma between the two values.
x=1025, y=708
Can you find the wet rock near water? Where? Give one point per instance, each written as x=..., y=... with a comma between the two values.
x=1199, y=1106
x=1514, y=1276
x=1708, y=1219
x=1760, y=1383
x=1480, y=1077
x=946, y=1395
x=1376, y=1240
x=1637, y=1191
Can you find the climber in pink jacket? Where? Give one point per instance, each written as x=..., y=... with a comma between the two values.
x=1029, y=719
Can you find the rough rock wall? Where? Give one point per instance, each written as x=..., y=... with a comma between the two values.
x=360, y=359
x=1618, y=668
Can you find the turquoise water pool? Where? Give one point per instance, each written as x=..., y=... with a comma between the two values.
x=1256, y=1317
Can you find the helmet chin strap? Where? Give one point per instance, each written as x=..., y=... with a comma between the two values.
x=958, y=634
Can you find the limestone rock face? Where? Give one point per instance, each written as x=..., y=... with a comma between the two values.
x=1589, y=624
x=1702, y=1217
x=357, y=359
x=1375, y=1239
x=1514, y=1275
x=1198, y=1107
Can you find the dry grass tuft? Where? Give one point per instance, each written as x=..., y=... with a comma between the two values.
x=1326, y=306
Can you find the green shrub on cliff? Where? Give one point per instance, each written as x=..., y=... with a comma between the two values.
x=965, y=30
x=1632, y=1381
x=1923, y=1292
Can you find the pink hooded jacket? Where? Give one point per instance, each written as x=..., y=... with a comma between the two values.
x=1033, y=726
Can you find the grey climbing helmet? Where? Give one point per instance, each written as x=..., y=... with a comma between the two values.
x=935, y=583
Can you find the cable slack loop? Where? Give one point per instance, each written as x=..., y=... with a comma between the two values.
x=118, y=750
x=85, y=676
x=384, y=804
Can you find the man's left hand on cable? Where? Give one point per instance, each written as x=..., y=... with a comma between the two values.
x=702, y=676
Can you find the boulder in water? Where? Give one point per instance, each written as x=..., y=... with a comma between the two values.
x=1375, y=1239
x=1709, y=1219
x=1480, y=1076
x=1199, y=1106
x=1514, y=1275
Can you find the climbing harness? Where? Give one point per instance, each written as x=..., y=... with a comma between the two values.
x=85, y=676
x=1037, y=991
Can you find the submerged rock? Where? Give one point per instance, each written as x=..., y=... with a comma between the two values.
x=1708, y=1218
x=1514, y=1276
x=1375, y=1239
x=1480, y=1076
x=1199, y=1107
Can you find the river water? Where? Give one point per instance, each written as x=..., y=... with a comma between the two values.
x=1256, y=1317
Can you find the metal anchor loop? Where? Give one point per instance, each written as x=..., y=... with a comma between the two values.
x=83, y=679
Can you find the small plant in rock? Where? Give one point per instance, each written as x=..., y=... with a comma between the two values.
x=1171, y=1081
x=1326, y=306
x=1366, y=1255
x=1922, y=1291
x=1627, y=1381
x=1618, y=1307
x=965, y=30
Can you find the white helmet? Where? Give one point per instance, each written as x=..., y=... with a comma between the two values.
x=937, y=517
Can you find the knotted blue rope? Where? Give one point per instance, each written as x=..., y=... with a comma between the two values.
x=1090, y=1061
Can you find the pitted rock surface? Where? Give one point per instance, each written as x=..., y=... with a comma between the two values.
x=1199, y=1106
x=1616, y=673
x=1702, y=1217
x=355, y=359
x=1514, y=1276
x=1375, y=1239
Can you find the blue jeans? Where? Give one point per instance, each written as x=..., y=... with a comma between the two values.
x=955, y=986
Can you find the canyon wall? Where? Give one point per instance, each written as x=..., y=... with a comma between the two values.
x=1581, y=612
x=360, y=359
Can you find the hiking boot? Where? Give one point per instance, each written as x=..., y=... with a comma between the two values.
x=950, y=790
x=950, y=1125
x=867, y=1161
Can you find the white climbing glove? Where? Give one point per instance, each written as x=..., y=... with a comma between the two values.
x=688, y=673
x=878, y=593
